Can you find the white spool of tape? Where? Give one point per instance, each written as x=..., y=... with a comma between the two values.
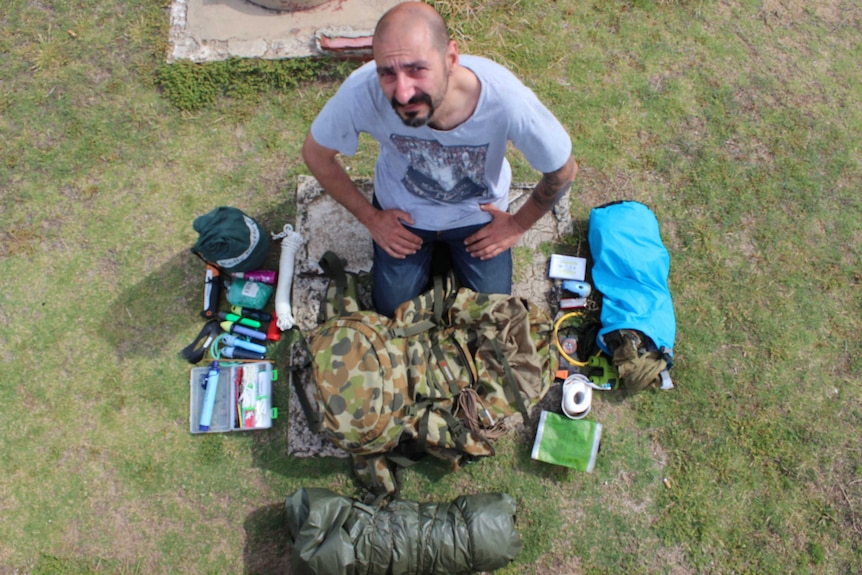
x=577, y=396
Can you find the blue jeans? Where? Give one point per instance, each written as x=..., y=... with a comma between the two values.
x=400, y=280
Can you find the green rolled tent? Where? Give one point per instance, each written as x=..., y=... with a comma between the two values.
x=335, y=535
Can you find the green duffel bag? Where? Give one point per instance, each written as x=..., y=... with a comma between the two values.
x=335, y=535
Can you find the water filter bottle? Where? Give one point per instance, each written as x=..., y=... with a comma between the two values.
x=234, y=341
x=209, y=397
x=239, y=353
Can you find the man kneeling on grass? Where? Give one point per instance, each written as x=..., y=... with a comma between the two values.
x=443, y=122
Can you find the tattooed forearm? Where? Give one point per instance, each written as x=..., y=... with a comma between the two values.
x=547, y=192
x=554, y=185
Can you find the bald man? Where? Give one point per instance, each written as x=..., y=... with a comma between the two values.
x=443, y=122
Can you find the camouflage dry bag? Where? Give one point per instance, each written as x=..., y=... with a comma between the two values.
x=440, y=377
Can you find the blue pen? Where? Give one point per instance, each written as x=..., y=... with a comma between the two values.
x=232, y=327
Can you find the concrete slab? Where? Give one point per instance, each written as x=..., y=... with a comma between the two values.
x=210, y=30
x=326, y=225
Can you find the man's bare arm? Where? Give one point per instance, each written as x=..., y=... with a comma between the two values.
x=385, y=225
x=546, y=194
x=326, y=168
x=506, y=229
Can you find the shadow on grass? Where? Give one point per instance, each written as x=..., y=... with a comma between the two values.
x=169, y=299
x=270, y=448
x=270, y=452
x=267, y=541
x=155, y=309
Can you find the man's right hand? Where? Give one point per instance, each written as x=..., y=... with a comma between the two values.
x=388, y=231
x=386, y=226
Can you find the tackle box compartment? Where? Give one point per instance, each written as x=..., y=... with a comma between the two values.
x=243, y=399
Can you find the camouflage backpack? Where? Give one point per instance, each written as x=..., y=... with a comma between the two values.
x=441, y=377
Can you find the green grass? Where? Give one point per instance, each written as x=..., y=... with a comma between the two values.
x=738, y=123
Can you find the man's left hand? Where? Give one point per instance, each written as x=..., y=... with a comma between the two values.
x=501, y=233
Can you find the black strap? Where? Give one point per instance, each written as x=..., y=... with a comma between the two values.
x=422, y=431
x=192, y=352
x=333, y=266
x=445, y=368
x=315, y=421
x=200, y=256
x=438, y=299
x=456, y=429
x=454, y=286
x=455, y=426
x=466, y=358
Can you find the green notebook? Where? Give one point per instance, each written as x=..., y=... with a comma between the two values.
x=570, y=442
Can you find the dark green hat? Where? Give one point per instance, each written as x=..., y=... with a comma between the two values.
x=231, y=240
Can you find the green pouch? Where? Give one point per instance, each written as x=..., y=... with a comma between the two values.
x=248, y=294
x=569, y=442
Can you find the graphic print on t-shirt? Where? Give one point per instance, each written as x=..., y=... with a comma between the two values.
x=448, y=174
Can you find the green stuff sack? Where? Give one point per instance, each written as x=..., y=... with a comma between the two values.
x=334, y=535
x=231, y=240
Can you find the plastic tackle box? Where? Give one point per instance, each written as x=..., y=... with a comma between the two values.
x=243, y=397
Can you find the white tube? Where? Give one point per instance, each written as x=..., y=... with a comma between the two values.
x=290, y=242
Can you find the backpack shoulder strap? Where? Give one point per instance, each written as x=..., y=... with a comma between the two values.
x=300, y=364
x=315, y=419
x=333, y=266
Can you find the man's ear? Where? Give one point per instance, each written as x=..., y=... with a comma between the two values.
x=452, y=55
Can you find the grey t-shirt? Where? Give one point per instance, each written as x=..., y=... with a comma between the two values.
x=442, y=177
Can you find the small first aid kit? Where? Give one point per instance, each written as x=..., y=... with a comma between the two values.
x=231, y=397
x=567, y=268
